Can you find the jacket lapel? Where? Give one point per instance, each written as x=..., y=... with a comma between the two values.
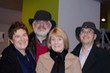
x=77, y=49
x=68, y=62
x=48, y=63
x=91, y=57
x=90, y=60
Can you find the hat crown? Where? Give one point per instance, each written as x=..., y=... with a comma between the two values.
x=42, y=15
x=89, y=25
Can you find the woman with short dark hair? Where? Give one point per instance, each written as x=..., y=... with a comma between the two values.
x=16, y=58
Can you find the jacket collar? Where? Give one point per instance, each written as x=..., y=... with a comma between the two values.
x=49, y=62
x=91, y=57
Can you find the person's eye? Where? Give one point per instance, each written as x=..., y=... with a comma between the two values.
x=17, y=36
x=52, y=39
x=24, y=34
x=89, y=31
x=60, y=39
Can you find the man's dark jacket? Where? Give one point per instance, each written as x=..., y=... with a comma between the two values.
x=98, y=60
x=32, y=45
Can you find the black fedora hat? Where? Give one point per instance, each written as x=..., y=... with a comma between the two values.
x=91, y=25
x=42, y=15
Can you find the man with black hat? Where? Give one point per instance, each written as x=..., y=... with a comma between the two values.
x=42, y=23
x=92, y=58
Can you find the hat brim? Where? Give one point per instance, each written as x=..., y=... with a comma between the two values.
x=97, y=32
x=31, y=21
x=52, y=21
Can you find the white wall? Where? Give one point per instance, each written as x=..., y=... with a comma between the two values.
x=4, y=29
x=73, y=13
x=6, y=18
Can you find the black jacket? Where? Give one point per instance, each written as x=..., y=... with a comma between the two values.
x=9, y=62
x=98, y=60
x=32, y=45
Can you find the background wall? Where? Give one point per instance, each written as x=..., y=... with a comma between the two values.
x=108, y=20
x=6, y=18
x=5, y=42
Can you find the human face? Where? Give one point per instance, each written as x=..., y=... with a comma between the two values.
x=87, y=36
x=41, y=28
x=20, y=39
x=57, y=43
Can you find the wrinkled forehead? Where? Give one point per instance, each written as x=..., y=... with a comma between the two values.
x=42, y=21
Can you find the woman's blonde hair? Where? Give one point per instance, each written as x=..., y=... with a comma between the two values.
x=57, y=31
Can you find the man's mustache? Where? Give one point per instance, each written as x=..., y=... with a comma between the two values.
x=41, y=27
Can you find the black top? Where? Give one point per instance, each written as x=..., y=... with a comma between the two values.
x=9, y=62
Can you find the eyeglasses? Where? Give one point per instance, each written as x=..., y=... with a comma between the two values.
x=87, y=31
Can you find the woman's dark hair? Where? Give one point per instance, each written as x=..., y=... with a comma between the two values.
x=16, y=26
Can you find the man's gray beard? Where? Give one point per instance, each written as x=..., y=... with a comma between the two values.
x=43, y=34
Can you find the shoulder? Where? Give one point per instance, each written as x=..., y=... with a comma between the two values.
x=72, y=61
x=8, y=50
x=31, y=35
x=77, y=49
x=45, y=59
x=9, y=55
x=103, y=51
x=71, y=56
x=45, y=56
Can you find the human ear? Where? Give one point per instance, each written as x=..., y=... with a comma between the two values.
x=95, y=36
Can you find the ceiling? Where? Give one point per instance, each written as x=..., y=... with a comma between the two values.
x=11, y=4
x=105, y=5
x=17, y=4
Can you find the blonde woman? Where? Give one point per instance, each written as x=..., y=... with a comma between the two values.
x=58, y=60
